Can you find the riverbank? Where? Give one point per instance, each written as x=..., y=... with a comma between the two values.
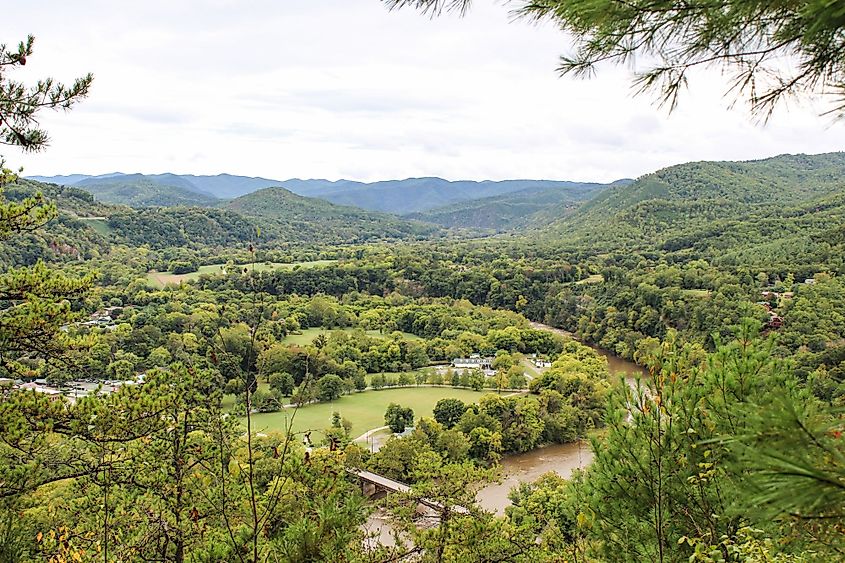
x=616, y=365
x=562, y=459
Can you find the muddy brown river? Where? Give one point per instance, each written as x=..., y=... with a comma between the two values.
x=560, y=458
x=528, y=467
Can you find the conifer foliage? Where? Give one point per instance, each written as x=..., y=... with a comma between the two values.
x=34, y=302
x=20, y=103
x=747, y=39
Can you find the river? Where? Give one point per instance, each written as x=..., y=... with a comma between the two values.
x=615, y=365
x=530, y=466
x=618, y=366
x=560, y=458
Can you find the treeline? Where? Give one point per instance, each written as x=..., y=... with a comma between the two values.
x=565, y=403
x=182, y=227
x=152, y=328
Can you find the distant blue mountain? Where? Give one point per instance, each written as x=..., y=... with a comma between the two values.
x=70, y=179
x=415, y=195
x=400, y=197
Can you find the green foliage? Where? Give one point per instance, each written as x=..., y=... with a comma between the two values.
x=286, y=216
x=282, y=383
x=449, y=411
x=745, y=39
x=662, y=460
x=188, y=227
x=329, y=388
x=139, y=191
x=35, y=303
x=398, y=417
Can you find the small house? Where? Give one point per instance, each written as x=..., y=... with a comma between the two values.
x=775, y=321
x=473, y=362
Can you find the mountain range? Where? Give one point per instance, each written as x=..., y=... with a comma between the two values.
x=744, y=215
x=399, y=197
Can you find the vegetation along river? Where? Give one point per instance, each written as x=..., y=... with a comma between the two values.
x=560, y=458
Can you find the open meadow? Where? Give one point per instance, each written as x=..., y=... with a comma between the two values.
x=160, y=279
x=364, y=410
x=306, y=336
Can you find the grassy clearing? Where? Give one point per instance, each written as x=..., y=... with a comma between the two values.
x=364, y=410
x=99, y=224
x=160, y=279
x=595, y=278
x=308, y=335
x=530, y=368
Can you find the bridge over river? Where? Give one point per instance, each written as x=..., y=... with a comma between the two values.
x=373, y=484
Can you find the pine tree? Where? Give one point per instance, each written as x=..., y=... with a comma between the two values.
x=749, y=39
x=20, y=104
x=34, y=301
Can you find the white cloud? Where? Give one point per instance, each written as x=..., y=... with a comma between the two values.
x=345, y=88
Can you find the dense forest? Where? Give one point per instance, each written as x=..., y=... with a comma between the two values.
x=758, y=339
x=338, y=371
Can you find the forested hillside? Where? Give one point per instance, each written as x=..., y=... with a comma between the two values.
x=137, y=190
x=77, y=233
x=287, y=215
x=273, y=218
x=752, y=214
x=516, y=210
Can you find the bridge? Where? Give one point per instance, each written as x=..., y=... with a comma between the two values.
x=373, y=484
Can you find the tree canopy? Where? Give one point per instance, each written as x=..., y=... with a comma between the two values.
x=19, y=103
x=769, y=49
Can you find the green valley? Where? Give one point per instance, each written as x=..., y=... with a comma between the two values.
x=212, y=367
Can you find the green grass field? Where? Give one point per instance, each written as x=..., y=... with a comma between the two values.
x=160, y=279
x=308, y=335
x=364, y=410
x=99, y=224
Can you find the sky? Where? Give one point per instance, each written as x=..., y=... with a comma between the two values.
x=348, y=89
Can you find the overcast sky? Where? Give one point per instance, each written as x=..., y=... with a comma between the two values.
x=346, y=89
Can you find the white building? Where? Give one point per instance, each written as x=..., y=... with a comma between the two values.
x=473, y=362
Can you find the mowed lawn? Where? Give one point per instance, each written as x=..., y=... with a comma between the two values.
x=308, y=335
x=364, y=410
x=160, y=279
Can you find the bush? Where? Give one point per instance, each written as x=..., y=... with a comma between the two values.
x=282, y=383
x=183, y=267
x=449, y=411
